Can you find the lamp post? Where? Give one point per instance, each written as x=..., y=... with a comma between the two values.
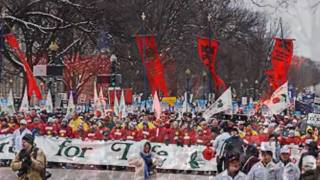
x=209, y=17
x=53, y=48
x=113, y=60
x=204, y=75
x=145, y=95
x=188, y=73
x=256, y=89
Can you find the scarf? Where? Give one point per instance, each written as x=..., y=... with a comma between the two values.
x=147, y=159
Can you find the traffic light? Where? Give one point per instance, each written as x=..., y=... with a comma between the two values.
x=112, y=80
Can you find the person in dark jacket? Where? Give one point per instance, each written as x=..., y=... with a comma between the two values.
x=310, y=171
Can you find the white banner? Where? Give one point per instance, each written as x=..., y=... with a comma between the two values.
x=313, y=119
x=114, y=153
x=40, y=70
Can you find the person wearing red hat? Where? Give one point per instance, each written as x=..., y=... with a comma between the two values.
x=37, y=126
x=189, y=135
x=65, y=130
x=117, y=133
x=94, y=133
x=50, y=128
x=132, y=134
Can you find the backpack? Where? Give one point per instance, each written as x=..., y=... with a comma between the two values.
x=44, y=170
x=232, y=145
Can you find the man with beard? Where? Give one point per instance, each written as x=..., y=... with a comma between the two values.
x=30, y=161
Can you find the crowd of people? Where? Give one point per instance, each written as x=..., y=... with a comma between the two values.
x=187, y=129
x=183, y=129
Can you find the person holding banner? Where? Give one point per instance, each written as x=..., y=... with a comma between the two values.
x=145, y=163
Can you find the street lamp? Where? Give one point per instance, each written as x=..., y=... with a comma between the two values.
x=145, y=96
x=53, y=46
x=11, y=83
x=113, y=60
x=256, y=89
x=188, y=72
x=143, y=16
x=209, y=17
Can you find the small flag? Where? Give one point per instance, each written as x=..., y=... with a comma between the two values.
x=49, y=104
x=116, y=104
x=156, y=107
x=71, y=106
x=122, y=106
x=24, y=107
x=10, y=105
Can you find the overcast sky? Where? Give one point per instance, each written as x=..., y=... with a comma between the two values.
x=303, y=21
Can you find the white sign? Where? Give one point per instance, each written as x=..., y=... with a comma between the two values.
x=40, y=70
x=114, y=153
x=244, y=101
x=313, y=119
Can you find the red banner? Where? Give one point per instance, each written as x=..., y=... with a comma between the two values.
x=127, y=95
x=32, y=85
x=207, y=50
x=281, y=58
x=148, y=51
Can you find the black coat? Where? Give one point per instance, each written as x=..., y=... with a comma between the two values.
x=311, y=175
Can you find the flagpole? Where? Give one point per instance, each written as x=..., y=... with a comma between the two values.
x=143, y=17
x=209, y=54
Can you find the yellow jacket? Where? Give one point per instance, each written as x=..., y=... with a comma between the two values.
x=76, y=123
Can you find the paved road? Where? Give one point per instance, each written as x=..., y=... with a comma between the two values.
x=63, y=174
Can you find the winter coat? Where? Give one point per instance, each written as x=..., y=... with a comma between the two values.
x=37, y=166
x=139, y=163
x=261, y=172
x=289, y=171
x=311, y=175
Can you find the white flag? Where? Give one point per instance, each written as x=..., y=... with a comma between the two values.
x=71, y=107
x=122, y=107
x=24, y=107
x=279, y=100
x=185, y=103
x=95, y=96
x=49, y=104
x=116, y=104
x=10, y=105
x=223, y=103
x=101, y=105
x=156, y=106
